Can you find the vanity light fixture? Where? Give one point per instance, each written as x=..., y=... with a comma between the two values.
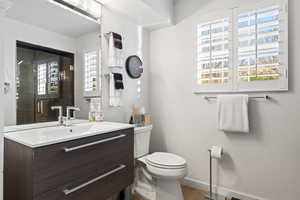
x=89, y=9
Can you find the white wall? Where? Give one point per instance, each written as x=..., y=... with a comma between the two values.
x=1, y=111
x=14, y=31
x=1, y=76
x=135, y=42
x=264, y=163
x=85, y=43
x=164, y=8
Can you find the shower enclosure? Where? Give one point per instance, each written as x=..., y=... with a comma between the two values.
x=44, y=78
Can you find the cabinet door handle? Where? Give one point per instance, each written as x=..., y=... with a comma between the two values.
x=94, y=143
x=42, y=107
x=69, y=191
x=38, y=107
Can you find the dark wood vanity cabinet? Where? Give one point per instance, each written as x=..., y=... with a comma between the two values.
x=91, y=168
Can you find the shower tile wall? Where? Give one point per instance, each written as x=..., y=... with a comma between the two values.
x=25, y=85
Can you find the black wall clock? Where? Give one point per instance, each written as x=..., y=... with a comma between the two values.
x=134, y=67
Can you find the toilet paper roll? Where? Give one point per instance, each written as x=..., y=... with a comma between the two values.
x=217, y=152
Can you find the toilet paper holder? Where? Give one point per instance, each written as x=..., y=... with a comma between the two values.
x=217, y=153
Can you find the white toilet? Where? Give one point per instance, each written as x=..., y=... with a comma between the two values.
x=165, y=168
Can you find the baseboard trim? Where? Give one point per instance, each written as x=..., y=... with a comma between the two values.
x=220, y=191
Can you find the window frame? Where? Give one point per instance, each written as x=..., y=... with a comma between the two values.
x=213, y=87
x=47, y=93
x=254, y=86
x=95, y=93
x=42, y=84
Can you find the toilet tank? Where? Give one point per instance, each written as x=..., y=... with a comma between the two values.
x=142, y=140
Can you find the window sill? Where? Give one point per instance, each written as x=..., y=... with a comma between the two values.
x=239, y=91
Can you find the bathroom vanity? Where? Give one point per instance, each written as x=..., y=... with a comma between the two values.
x=85, y=161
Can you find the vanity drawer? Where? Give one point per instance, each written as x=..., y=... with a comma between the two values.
x=68, y=162
x=97, y=187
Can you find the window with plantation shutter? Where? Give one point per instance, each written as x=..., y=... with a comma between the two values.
x=246, y=51
x=213, y=53
x=91, y=74
x=258, y=50
x=41, y=78
x=90, y=65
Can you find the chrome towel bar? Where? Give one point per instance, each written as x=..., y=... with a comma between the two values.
x=265, y=97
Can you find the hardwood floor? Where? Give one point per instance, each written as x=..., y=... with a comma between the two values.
x=188, y=193
x=193, y=194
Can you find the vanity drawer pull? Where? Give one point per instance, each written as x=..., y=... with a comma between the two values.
x=69, y=191
x=93, y=143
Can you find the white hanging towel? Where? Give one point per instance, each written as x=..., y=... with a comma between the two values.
x=114, y=95
x=114, y=54
x=233, y=113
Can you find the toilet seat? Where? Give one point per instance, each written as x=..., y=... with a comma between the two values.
x=165, y=160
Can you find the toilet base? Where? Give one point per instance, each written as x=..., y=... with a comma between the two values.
x=167, y=190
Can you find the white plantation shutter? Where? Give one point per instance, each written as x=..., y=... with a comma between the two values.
x=258, y=51
x=213, y=53
x=41, y=78
x=91, y=74
x=262, y=48
x=246, y=51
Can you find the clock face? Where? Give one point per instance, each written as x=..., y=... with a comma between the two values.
x=134, y=67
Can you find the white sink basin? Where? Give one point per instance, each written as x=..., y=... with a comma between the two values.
x=52, y=135
x=25, y=127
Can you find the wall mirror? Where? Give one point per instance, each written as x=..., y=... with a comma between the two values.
x=46, y=43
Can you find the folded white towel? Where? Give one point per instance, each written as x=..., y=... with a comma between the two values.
x=114, y=95
x=233, y=113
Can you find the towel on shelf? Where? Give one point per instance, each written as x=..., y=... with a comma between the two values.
x=118, y=78
x=233, y=113
x=114, y=94
x=115, y=47
x=117, y=41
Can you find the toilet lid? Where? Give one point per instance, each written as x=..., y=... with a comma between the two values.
x=166, y=160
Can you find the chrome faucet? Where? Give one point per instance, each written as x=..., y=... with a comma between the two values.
x=68, y=118
x=64, y=121
x=60, y=115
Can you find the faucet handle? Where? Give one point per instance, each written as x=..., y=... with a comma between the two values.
x=60, y=117
x=60, y=108
x=68, y=118
x=69, y=108
x=73, y=108
x=56, y=107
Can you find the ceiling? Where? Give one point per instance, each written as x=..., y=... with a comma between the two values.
x=136, y=10
x=151, y=14
x=147, y=13
x=45, y=15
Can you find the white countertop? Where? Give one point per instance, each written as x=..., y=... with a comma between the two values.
x=24, y=127
x=39, y=137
